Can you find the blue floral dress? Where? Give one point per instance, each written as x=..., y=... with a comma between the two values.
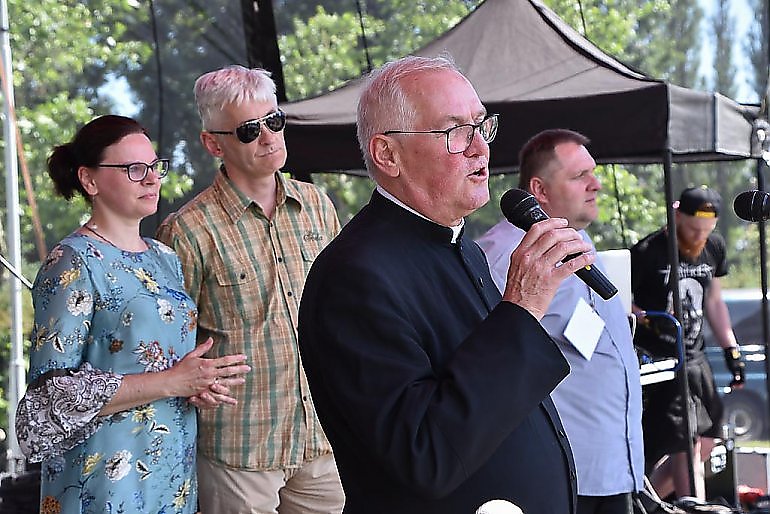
x=101, y=313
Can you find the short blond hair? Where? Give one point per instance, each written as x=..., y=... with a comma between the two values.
x=231, y=85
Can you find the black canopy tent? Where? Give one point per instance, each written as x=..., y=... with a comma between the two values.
x=537, y=72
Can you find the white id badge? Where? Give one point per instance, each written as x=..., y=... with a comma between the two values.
x=584, y=329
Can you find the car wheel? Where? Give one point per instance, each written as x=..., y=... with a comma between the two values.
x=746, y=414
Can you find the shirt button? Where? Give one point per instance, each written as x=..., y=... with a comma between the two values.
x=289, y=293
x=280, y=259
x=304, y=398
x=243, y=275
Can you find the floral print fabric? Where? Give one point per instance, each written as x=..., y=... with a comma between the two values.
x=101, y=313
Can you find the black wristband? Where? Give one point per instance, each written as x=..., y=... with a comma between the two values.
x=735, y=364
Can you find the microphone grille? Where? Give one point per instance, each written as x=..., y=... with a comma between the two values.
x=511, y=199
x=515, y=203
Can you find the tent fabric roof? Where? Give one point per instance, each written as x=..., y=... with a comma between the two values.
x=537, y=72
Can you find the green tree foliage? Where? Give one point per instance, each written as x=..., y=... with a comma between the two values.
x=722, y=30
x=757, y=46
x=324, y=52
x=326, y=49
x=666, y=42
x=62, y=53
x=731, y=178
x=612, y=25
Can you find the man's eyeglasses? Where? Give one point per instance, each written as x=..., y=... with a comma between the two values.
x=137, y=171
x=460, y=137
x=249, y=131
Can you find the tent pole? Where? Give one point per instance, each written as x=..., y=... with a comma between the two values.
x=763, y=284
x=761, y=131
x=16, y=365
x=673, y=283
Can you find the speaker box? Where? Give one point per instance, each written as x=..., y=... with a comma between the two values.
x=752, y=467
x=727, y=469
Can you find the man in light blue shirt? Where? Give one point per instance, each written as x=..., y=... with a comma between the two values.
x=600, y=402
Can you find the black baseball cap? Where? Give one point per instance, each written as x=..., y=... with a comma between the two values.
x=701, y=202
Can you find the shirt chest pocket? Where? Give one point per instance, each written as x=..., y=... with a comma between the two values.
x=234, y=297
x=237, y=274
x=310, y=249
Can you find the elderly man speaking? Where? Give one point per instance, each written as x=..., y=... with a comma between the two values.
x=433, y=392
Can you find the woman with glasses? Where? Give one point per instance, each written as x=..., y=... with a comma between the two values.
x=114, y=370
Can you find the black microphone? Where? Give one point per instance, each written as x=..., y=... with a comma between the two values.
x=752, y=206
x=521, y=209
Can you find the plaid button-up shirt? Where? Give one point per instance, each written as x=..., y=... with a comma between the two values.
x=246, y=274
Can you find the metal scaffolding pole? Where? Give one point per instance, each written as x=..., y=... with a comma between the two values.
x=13, y=238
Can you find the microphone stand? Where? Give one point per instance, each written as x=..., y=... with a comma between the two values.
x=764, y=141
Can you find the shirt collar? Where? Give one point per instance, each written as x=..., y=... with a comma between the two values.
x=456, y=230
x=235, y=202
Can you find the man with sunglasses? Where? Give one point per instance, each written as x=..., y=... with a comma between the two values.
x=246, y=244
x=600, y=401
x=435, y=393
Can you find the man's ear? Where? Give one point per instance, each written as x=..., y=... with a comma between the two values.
x=384, y=155
x=211, y=144
x=537, y=188
x=86, y=178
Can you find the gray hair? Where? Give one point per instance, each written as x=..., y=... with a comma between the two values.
x=231, y=85
x=383, y=104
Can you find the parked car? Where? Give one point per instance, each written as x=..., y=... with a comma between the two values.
x=746, y=409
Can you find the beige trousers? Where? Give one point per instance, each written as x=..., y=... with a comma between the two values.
x=313, y=488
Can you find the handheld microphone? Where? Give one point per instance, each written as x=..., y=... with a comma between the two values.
x=498, y=507
x=521, y=209
x=752, y=206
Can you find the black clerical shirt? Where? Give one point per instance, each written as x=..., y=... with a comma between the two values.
x=433, y=393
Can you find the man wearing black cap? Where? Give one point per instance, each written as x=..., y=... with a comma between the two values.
x=701, y=262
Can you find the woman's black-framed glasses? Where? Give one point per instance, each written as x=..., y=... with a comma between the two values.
x=137, y=171
x=460, y=137
x=249, y=131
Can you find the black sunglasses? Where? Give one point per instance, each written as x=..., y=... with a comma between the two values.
x=249, y=131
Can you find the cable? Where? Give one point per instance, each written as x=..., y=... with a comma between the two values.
x=617, y=202
x=156, y=42
x=159, y=136
x=582, y=18
x=363, y=36
x=16, y=273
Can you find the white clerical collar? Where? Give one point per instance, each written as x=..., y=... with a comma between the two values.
x=456, y=230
